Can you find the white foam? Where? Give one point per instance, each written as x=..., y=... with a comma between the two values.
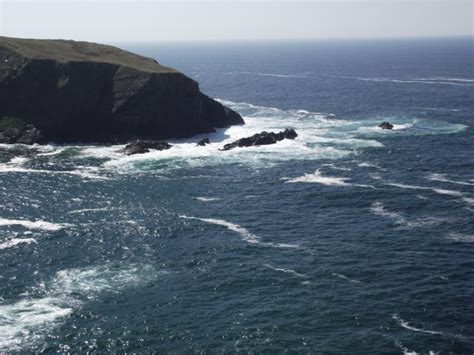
x=85, y=172
x=334, y=167
x=318, y=178
x=443, y=178
x=207, y=199
x=399, y=127
x=432, y=81
x=369, y=165
x=241, y=231
x=52, y=151
x=288, y=271
x=38, y=224
x=409, y=327
x=296, y=76
x=447, y=192
x=468, y=200
x=379, y=209
x=405, y=350
x=28, y=320
x=462, y=238
x=102, y=209
x=16, y=241
x=434, y=189
x=346, y=278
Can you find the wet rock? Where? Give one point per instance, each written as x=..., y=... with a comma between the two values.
x=203, y=142
x=13, y=130
x=143, y=146
x=263, y=138
x=30, y=135
x=386, y=125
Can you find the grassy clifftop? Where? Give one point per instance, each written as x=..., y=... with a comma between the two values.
x=72, y=51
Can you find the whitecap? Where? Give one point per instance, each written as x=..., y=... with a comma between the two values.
x=275, y=75
x=38, y=224
x=448, y=192
x=207, y=199
x=443, y=178
x=408, y=81
x=26, y=321
x=16, y=241
x=318, y=178
x=334, y=167
x=346, y=278
x=406, y=325
x=405, y=350
x=461, y=238
x=52, y=152
x=288, y=271
x=101, y=209
x=241, y=231
x=379, y=209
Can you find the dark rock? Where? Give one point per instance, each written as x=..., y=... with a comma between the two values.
x=203, y=142
x=78, y=91
x=13, y=130
x=386, y=125
x=143, y=146
x=30, y=135
x=263, y=138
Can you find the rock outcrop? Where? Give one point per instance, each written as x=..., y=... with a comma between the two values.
x=386, y=125
x=13, y=130
x=203, y=142
x=143, y=146
x=86, y=92
x=263, y=138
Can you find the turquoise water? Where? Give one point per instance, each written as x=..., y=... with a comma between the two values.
x=348, y=239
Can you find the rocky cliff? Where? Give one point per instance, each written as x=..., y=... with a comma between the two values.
x=78, y=91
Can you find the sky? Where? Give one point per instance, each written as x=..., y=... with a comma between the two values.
x=114, y=21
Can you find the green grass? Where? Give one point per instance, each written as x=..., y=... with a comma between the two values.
x=73, y=51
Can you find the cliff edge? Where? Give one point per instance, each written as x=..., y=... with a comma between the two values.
x=68, y=91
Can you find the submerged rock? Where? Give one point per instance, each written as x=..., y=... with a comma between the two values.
x=79, y=91
x=143, y=146
x=203, y=142
x=386, y=125
x=263, y=138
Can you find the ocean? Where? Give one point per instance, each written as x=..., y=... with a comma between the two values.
x=349, y=239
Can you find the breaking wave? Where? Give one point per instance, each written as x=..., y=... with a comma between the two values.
x=241, y=231
x=428, y=81
x=318, y=178
x=288, y=271
x=406, y=325
x=16, y=241
x=38, y=224
x=29, y=320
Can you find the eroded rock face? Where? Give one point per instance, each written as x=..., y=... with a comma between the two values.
x=263, y=138
x=386, y=125
x=16, y=131
x=143, y=146
x=86, y=92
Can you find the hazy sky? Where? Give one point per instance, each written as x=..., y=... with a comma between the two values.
x=121, y=21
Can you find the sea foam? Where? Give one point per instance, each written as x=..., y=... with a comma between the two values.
x=27, y=321
x=16, y=241
x=38, y=224
x=241, y=231
x=318, y=178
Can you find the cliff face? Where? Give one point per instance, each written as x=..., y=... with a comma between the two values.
x=78, y=91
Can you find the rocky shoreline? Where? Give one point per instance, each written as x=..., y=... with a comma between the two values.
x=68, y=92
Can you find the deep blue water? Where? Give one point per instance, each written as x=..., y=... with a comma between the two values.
x=349, y=239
